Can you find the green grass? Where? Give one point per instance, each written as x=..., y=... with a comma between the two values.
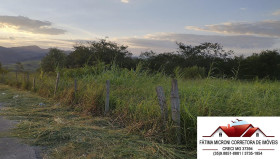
x=30, y=66
x=64, y=133
x=134, y=104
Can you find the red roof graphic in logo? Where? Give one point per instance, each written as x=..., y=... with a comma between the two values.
x=238, y=128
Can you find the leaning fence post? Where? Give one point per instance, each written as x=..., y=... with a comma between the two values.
x=175, y=108
x=107, y=97
x=56, y=83
x=162, y=104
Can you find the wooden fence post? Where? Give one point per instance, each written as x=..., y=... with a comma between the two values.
x=56, y=83
x=23, y=77
x=107, y=97
x=175, y=108
x=162, y=103
x=34, y=88
x=75, y=88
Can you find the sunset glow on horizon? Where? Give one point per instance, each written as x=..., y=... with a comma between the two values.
x=142, y=25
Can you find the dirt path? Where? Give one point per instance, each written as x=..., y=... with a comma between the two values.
x=12, y=148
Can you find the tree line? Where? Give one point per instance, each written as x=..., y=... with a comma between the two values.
x=204, y=60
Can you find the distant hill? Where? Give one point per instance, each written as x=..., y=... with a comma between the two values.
x=21, y=54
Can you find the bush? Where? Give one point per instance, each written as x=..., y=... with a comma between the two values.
x=85, y=71
x=190, y=72
x=54, y=59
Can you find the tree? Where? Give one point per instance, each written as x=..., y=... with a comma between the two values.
x=54, y=59
x=80, y=57
x=100, y=51
x=165, y=62
x=147, y=55
x=207, y=50
x=263, y=65
x=207, y=55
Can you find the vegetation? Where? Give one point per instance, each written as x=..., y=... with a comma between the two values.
x=2, y=70
x=54, y=59
x=101, y=51
x=263, y=65
x=28, y=66
x=215, y=85
x=209, y=58
x=64, y=133
x=134, y=104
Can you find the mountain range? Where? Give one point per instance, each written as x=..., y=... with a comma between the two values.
x=21, y=54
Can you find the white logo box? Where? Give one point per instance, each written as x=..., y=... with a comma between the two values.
x=251, y=137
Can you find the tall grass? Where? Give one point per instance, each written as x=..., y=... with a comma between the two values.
x=133, y=99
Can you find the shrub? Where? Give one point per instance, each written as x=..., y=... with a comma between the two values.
x=190, y=72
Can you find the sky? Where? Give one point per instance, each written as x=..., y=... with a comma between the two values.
x=244, y=26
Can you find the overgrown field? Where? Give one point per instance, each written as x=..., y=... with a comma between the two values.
x=27, y=65
x=63, y=133
x=134, y=104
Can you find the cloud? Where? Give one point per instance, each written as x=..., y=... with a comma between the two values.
x=165, y=42
x=29, y=25
x=269, y=28
x=125, y=1
x=276, y=13
x=236, y=122
x=158, y=42
x=227, y=41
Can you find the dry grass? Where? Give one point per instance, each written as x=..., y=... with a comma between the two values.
x=134, y=104
x=65, y=133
